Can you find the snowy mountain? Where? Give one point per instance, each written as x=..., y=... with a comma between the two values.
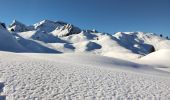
x=84, y=64
x=61, y=37
x=56, y=28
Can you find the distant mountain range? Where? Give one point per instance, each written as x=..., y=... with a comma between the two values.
x=60, y=37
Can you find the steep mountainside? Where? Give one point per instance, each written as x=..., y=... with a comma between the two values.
x=8, y=41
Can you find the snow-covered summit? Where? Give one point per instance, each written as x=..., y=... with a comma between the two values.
x=46, y=25
x=56, y=27
x=66, y=30
x=17, y=26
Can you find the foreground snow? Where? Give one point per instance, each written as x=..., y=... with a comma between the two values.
x=78, y=76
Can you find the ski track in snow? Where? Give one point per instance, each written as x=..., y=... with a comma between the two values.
x=23, y=77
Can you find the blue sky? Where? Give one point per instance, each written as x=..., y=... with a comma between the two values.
x=104, y=15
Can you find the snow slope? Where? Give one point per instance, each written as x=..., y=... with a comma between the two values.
x=142, y=41
x=8, y=41
x=159, y=59
x=78, y=76
x=85, y=42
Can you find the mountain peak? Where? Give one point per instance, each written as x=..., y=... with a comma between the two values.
x=17, y=26
x=16, y=22
x=46, y=21
x=46, y=25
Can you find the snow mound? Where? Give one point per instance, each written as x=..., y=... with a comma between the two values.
x=86, y=46
x=35, y=46
x=160, y=57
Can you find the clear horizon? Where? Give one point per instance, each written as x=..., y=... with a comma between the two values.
x=105, y=15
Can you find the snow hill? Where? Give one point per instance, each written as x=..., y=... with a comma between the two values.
x=159, y=59
x=59, y=37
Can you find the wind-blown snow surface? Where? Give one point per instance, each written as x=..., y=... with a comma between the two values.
x=78, y=76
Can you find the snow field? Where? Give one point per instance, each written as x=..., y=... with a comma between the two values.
x=41, y=77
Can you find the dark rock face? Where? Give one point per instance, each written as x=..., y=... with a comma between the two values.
x=12, y=30
x=152, y=49
x=3, y=25
x=71, y=29
x=135, y=44
x=92, y=46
